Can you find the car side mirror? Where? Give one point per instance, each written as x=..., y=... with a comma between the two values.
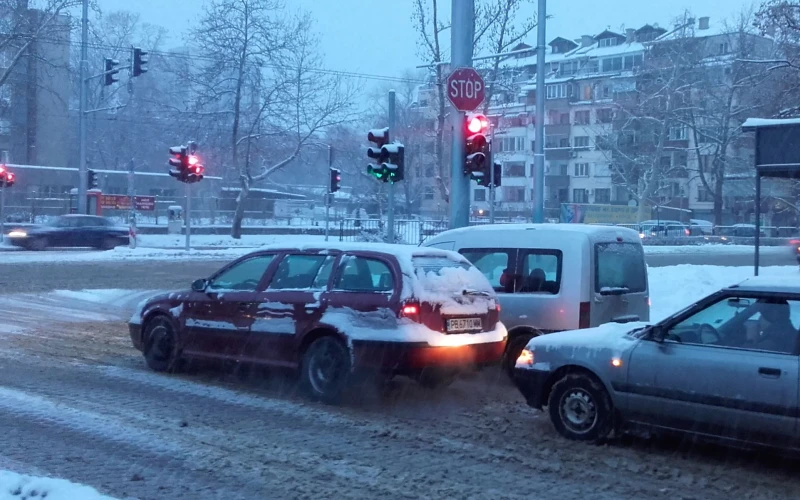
x=657, y=334
x=200, y=285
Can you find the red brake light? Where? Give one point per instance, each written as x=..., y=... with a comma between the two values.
x=410, y=310
x=497, y=306
x=584, y=315
x=687, y=232
x=794, y=242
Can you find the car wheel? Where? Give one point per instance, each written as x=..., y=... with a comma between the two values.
x=431, y=378
x=581, y=409
x=513, y=349
x=160, y=345
x=108, y=243
x=326, y=370
x=38, y=244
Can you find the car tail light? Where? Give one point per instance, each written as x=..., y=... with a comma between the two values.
x=585, y=312
x=410, y=310
x=649, y=302
x=687, y=232
x=497, y=307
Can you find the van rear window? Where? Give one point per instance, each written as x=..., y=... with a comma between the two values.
x=620, y=265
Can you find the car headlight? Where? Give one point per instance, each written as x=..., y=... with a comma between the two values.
x=525, y=359
x=17, y=234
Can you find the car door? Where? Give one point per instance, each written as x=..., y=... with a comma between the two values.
x=217, y=321
x=61, y=233
x=499, y=265
x=706, y=377
x=87, y=232
x=289, y=306
x=619, y=283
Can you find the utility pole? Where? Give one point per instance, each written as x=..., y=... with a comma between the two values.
x=328, y=195
x=132, y=213
x=462, y=34
x=84, y=91
x=492, y=189
x=390, y=214
x=538, y=155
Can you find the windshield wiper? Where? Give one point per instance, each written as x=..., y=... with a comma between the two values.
x=476, y=293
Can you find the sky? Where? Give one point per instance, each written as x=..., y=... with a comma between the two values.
x=378, y=38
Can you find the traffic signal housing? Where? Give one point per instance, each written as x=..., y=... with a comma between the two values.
x=139, y=61
x=111, y=72
x=186, y=167
x=7, y=178
x=91, y=179
x=476, y=151
x=389, y=157
x=195, y=170
x=335, y=179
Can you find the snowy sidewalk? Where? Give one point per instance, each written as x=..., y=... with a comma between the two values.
x=15, y=486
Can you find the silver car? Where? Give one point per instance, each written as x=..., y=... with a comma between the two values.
x=726, y=367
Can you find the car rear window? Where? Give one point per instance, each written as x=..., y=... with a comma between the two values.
x=620, y=265
x=448, y=277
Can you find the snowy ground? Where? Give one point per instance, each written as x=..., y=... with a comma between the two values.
x=15, y=486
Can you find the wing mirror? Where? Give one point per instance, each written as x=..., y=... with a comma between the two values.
x=200, y=285
x=657, y=333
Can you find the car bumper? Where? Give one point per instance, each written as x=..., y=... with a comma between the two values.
x=135, y=331
x=407, y=358
x=532, y=384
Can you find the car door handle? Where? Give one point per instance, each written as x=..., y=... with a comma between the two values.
x=769, y=372
x=244, y=306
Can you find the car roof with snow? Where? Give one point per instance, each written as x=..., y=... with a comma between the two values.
x=402, y=252
x=563, y=228
x=777, y=284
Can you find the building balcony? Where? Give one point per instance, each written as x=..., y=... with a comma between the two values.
x=557, y=154
x=560, y=129
x=556, y=181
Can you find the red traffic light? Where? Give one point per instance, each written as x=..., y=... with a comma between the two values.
x=10, y=176
x=198, y=169
x=477, y=123
x=2, y=169
x=193, y=160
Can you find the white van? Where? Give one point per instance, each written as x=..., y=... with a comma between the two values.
x=554, y=277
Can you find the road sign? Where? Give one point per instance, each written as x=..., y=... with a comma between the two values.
x=465, y=89
x=122, y=202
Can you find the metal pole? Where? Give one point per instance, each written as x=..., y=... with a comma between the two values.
x=390, y=214
x=758, y=222
x=188, y=220
x=328, y=195
x=491, y=176
x=538, y=155
x=3, y=212
x=84, y=91
x=132, y=213
x=461, y=39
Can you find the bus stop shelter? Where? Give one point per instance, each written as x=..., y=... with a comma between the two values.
x=777, y=154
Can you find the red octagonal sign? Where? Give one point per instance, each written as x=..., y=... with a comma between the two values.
x=465, y=89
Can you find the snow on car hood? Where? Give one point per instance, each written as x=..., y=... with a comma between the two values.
x=610, y=336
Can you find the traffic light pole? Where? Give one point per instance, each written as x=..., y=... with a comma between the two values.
x=328, y=195
x=390, y=214
x=538, y=155
x=84, y=83
x=188, y=219
x=461, y=30
x=3, y=213
x=491, y=175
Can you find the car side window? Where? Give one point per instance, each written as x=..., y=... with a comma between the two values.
x=497, y=264
x=362, y=274
x=297, y=272
x=324, y=274
x=747, y=323
x=244, y=276
x=541, y=271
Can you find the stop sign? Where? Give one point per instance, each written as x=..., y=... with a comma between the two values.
x=465, y=89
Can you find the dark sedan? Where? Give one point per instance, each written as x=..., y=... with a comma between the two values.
x=71, y=231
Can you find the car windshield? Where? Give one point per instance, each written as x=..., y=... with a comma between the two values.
x=620, y=266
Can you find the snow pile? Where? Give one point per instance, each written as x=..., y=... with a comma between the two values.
x=673, y=288
x=449, y=286
x=15, y=486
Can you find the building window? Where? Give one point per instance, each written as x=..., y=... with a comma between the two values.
x=581, y=170
x=677, y=133
x=605, y=115
x=582, y=141
x=428, y=193
x=513, y=193
x=631, y=62
x=514, y=169
x=602, y=142
x=5, y=127
x=559, y=91
x=563, y=119
x=605, y=92
x=582, y=118
x=563, y=142
x=723, y=48
x=665, y=162
x=704, y=195
x=607, y=42
x=480, y=195
x=579, y=196
x=511, y=144
x=602, y=195
x=612, y=64
x=429, y=172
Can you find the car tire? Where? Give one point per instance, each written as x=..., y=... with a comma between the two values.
x=160, y=345
x=108, y=243
x=326, y=370
x=581, y=409
x=431, y=378
x=514, y=348
x=38, y=244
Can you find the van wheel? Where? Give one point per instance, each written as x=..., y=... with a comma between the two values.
x=513, y=349
x=581, y=409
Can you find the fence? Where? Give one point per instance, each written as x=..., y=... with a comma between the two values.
x=412, y=232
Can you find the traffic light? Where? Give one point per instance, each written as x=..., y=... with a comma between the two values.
x=486, y=177
x=179, y=159
x=110, y=71
x=477, y=154
x=7, y=178
x=139, y=61
x=91, y=179
x=389, y=157
x=194, y=172
x=336, y=178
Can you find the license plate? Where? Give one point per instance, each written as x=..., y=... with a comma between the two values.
x=464, y=324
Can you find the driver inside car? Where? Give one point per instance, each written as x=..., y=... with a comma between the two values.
x=775, y=330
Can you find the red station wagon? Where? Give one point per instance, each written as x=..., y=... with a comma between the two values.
x=332, y=313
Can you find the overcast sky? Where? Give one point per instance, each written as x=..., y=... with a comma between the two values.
x=359, y=36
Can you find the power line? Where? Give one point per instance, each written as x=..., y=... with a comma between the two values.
x=196, y=57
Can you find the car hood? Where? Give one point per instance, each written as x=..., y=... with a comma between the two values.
x=608, y=337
